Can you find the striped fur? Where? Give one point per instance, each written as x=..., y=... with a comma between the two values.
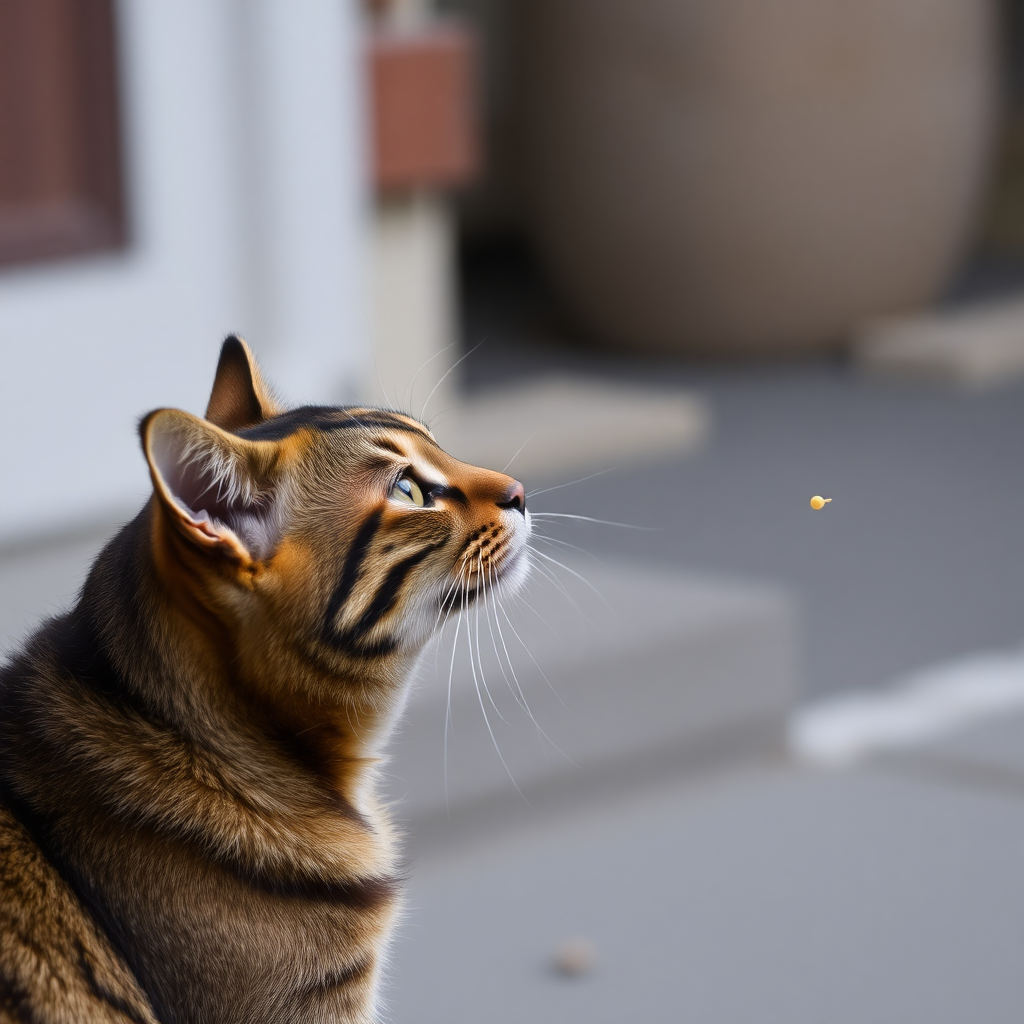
x=188, y=825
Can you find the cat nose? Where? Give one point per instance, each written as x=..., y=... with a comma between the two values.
x=515, y=498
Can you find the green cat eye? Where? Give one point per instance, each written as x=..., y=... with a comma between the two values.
x=409, y=491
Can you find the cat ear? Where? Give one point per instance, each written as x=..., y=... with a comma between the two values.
x=239, y=398
x=218, y=489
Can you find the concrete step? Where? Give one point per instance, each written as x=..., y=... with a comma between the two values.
x=636, y=666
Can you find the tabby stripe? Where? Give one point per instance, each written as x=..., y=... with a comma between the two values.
x=373, y=421
x=453, y=493
x=327, y=418
x=384, y=600
x=354, y=972
x=378, y=649
x=350, y=641
x=350, y=574
x=359, y=894
x=350, y=645
x=37, y=828
x=389, y=446
x=102, y=994
x=17, y=1001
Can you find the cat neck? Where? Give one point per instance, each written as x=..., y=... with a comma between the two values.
x=193, y=667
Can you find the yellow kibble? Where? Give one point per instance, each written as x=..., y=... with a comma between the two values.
x=819, y=502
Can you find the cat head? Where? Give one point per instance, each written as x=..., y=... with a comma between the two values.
x=343, y=535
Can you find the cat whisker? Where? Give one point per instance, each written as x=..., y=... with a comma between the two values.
x=549, y=575
x=553, y=576
x=479, y=660
x=451, y=672
x=444, y=605
x=517, y=690
x=444, y=377
x=521, y=602
x=537, y=535
x=558, y=487
x=518, y=450
x=440, y=625
x=439, y=638
x=487, y=722
x=536, y=663
x=380, y=381
x=498, y=606
x=490, y=629
x=582, y=579
x=410, y=387
x=590, y=519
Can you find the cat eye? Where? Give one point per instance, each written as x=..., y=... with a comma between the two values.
x=409, y=491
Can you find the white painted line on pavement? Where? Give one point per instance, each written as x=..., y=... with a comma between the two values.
x=840, y=730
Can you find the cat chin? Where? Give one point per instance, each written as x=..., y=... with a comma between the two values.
x=509, y=575
x=515, y=571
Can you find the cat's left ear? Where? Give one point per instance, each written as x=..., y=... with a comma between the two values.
x=219, y=490
x=240, y=397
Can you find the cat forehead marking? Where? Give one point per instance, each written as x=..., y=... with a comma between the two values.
x=328, y=418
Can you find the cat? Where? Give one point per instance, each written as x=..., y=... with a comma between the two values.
x=189, y=832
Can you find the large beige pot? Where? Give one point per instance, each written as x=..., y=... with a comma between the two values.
x=754, y=175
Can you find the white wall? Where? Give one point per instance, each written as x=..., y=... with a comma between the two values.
x=244, y=158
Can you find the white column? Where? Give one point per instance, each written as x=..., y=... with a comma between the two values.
x=413, y=313
x=414, y=329
x=305, y=159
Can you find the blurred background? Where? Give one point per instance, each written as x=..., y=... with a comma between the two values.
x=679, y=265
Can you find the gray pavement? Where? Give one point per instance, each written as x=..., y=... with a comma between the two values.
x=990, y=751
x=768, y=895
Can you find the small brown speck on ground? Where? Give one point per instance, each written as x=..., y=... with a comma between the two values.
x=574, y=957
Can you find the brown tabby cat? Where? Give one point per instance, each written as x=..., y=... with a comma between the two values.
x=188, y=825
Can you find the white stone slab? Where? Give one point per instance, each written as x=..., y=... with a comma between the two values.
x=959, y=704
x=975, y=346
